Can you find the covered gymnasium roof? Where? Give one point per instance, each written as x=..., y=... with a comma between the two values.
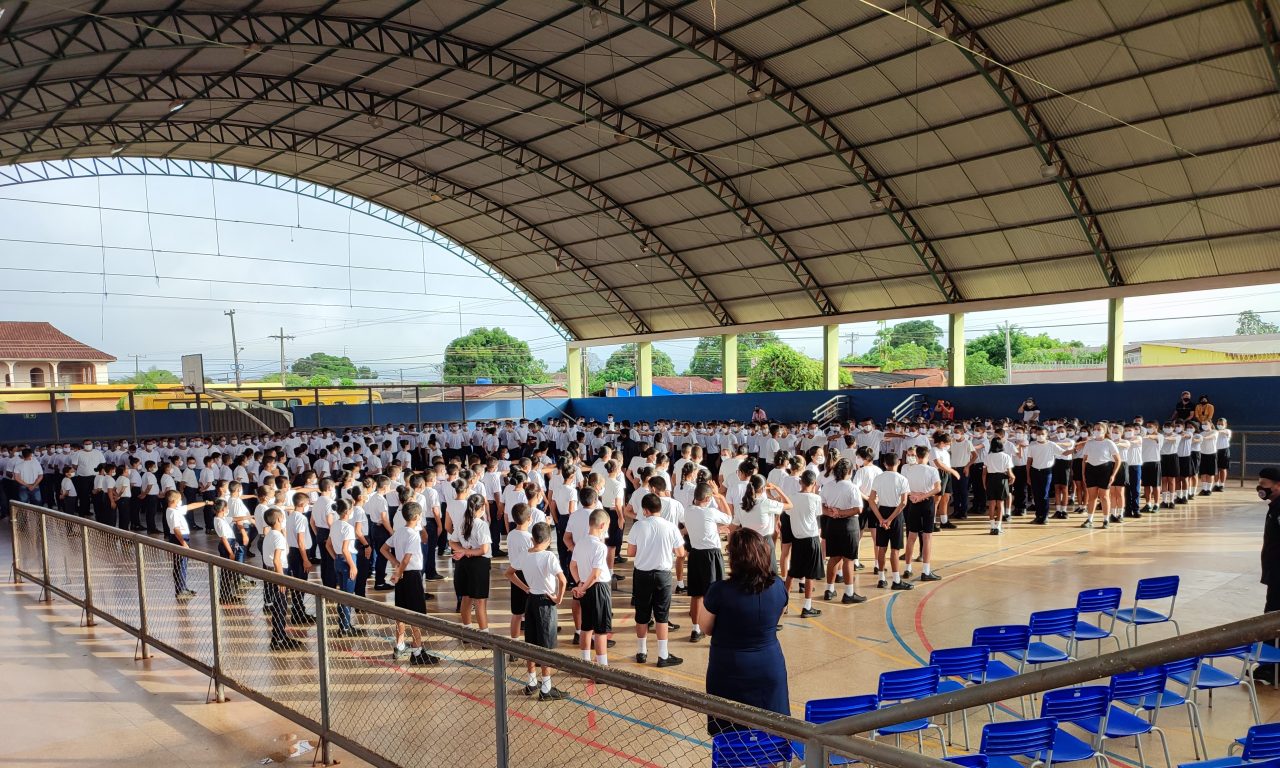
x=666, y=166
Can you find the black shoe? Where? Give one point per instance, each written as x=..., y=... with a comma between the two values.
x=555, y=694
x=672, y=626
x=809, y=613
x=1202, y=493
x=353, y=632
x=187, y=594
x=859, y=567
x=620, y=559
x=382, y=587
x=695, y=636
x=1006, y=517
x=681, y=590
x=499, y=553
x=839, y=578
x=288, y=644
x=994, y=532
x=423, y=659
x=1087, y=524
x=1060, y=515
x=529, y=690
x=610, y=643
x=882, y=584
x=906, y=574
x=642, y=658
x=196, y=528
x=434, y=577
x=902, y=585
x=670, y=661
x=304, y=619
x=853, y=599
x=829, y=595
x=1040, y=521
x=616, y=577
x=577, y=639
x=948, y=526
x=930, y=577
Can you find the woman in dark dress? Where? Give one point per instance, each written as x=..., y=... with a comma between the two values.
x=741, y=617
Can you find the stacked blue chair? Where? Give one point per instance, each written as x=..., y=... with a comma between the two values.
x=1120, y=724
x=1261, y=743
x=1102, y=602
x=1154, y=588
x=821, y=711
x=1169, y=699
x=1002, y=742
x=1263, y=653
x=749, y=749
x=967, y=663
x=1046, y=624
x=902, y=685
x=1073, y=705
x=1207, y=677
x=1009, y=639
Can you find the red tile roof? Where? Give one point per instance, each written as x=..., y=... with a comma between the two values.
x=41, y=341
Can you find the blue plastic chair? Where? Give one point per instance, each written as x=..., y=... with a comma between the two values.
x=1235, y=761
x=1151, y=704
x=1002, y=742
x=1263, y=653
x=1007, y=639
x=1073, y=705
x=963, y=663
x=1155, y=588
x=1121, y=724
x=1261, y=743
x=901, y=685
x=1206, y=677
x=821, y=711
x=1056, y=623
x=1104, y=602
x=749, y=749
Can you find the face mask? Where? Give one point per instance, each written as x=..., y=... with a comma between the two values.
x=88, y=446
x=1042, y=438
x=1128, y=433
x=1149, y=429
x=1097, y=433
x=911, y=458
x=1206, y=427
x=1168, y=430
x=866, y=427
x=1263, y=493
x=911, y=433
x=1222, y=426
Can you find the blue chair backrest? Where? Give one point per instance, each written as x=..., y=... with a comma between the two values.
x=1074, y=704
x=1058, y=621
x=749, y=749
x=1098, y=600
x=961, y=662
x=1262, y=742
x=1235, y=650
x=1135, y=685
x=826, y=710
x=1020, y=737
x=1003, y=637
x=905, y=684
x=1157, y=587
x=1182, y=665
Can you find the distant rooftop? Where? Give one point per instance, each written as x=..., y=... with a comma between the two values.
x=41, y=341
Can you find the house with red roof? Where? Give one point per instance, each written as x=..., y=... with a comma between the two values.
x=39, y=355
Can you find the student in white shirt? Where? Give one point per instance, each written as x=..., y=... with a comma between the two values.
x=545, y=584
x=654, y=543
x=759, y=507
x=297, y=531
x=997, y=474
x=472, y=560
x=1152, y=442
x=925, y=483
x=341, y=546
x=704, y=521
x=67, y=498
x=589, y=568
x=842, y=511
x=888, y=500
x=806, y=546
x=179, y=533
x=1101, y=463
x=404, y=551
x=1041, y=455
x=1224, y=456
x=275, y=556
x=519, y=543
x=321, y=521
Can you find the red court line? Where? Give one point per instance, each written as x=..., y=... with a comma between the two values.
x=557, y=730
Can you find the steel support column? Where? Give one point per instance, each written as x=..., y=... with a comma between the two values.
x=573, y=369
x=955, y=349
x=1115, y=339
x=830, y=357
x=729, y=362
x=644, y=369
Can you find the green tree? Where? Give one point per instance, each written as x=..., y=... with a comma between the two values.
x=979, y=370
x=904, y=357
x=708, y=355
x=331, y=367
x=150, y=379
x=621, y=366
x=290, y=380
x=922, y=333
x=1250, y=323
x=494, y=354
x=779, y=368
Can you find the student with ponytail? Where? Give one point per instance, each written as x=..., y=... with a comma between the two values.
x=472, y=553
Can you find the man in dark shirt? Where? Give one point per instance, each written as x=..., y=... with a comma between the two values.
x=1268, y=489
x=1183, y=409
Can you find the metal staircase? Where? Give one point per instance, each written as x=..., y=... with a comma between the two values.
x=240, y=416
x=832, y=410
x=908, y=408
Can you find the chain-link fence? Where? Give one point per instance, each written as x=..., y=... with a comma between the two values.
x=1251, y=451
x=329, y=662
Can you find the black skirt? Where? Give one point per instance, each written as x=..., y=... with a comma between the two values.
x=472, y=576
x=706, y=566
x=1209, y=463
x=806, y=559
x=997, y=487
x=784, y=525
x=410, y=594
x=842, y=534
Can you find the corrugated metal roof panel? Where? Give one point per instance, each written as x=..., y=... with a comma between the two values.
x=1173, y=261
x=1247, y=253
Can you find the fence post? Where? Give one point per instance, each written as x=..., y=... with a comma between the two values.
x=815, y=754
x=53, y=410
x=216, y=626
x=322, y=669
x=370, y=391
x=199, y=416
x=133, y=417
x=463, y=389
x=88, y=582
x=500, y=707
x=417, y=404
x=523, y=410
x=13, y=543
x=142, y=602
x=317, y=402
x=44, y=559
x=1244, y=457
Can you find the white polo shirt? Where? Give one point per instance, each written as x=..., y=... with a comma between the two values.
x=655, y=540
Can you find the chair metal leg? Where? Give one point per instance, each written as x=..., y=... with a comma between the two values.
x=946, y=718
x=1142, y=758
x=964, y=723
x=1253, y=700
x=941, y=740
x=1197, y=729
x=920, y=740
x=1177, y=630
x=1232, y=747
x=1164, y=743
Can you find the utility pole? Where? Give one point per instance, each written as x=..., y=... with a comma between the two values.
x=235, y=348
x=282, y=339
x=1008, y=355
x=137, y=371
x=460, y=319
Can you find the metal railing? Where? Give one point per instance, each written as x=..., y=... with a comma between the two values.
x=829, y=411
x=469, y=709
x=907, y=408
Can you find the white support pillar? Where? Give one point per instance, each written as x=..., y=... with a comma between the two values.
x=955, y=350
x=644, y=369
x=573, y=367
x=729, y=362
x=830, y=357
x=1115, y=339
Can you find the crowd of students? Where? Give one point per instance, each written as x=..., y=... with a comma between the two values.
x=382, y=507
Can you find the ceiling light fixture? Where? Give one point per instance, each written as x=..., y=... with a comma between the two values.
x=746, y=229
x=176, y=105
x=755, y=95
x=436, y=197
x=253, y=49
x=117, y=149
x=877, y=204
x=596, y=17
x=1049, y=171
x=621, y=138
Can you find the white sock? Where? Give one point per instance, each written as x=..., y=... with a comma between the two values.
x=468, y=626
x=896, y=577
x=924, y=568
x=602, y=660
x=400, y=647
x=486, y=629
x=857, y=563
x=643, y=643
x=586, y=655
x=662, y=649
x=680, y=584
x=943, y=519
x=808, y=603
x=848, y=590
x=533, y=679
x=831, y=586
x=546, y=684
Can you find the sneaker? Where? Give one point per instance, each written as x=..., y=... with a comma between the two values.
x=695, y=636
x=931, y=576
x=906, y=574
x=853, y=599
x=577, y=639
x=555, y=694
x=672, y=626
x=948, y=526
x=1060, y=515
x=382, y=587
x=681, y=590
x=434, y=577
x=809, y=613
x=902, y=585
x=529, y=690
x=610, y=643
x=287, y=644
x=859, y=567
x=799, y=589
x=829, y=595
x=670, y=661
x=1202, y=493
x=877, y=569
x=1006, y=517
x=839, y=578
x=882, y=584
x=1040, y=521
x=423, y=659
x=1087, y=524
x=307, y=619
x=353, y=632
x=186, y=594
x=994, y=532
x=642, y=658
x=920, y=559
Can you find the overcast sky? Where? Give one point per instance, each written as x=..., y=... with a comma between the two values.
x=151, y=272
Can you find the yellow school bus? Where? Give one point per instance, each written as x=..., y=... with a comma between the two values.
x=174, y=398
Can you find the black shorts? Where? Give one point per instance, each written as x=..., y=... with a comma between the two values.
x=1209, y=463
x=706, y=566
x=597, y=608
x=472, y=577
x=920, y=516
x=651, y=595
x=614, y=536
x=540, y=621
x=806, y=559
x=519, y=598
x=867, y=519
x=1098, y=475
x=1077, y=470
x=891, y=537
x=1150, y=474
x=842, y=534
x=410, y=594
x=784, y=526
x=947, y=482
x=1224, y=459
x=1122, y=476
x=997, y=487
x=1169, y=465
x=1062, y=472
x=1184, y=466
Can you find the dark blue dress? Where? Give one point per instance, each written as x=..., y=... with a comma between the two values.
x=746, y=663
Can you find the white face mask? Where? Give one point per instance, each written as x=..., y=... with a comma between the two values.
x=1168, y=430
x=1097, y=433
x=1042, y=438
x=866, y=427
x=1150, y=429
x=1128, y=433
